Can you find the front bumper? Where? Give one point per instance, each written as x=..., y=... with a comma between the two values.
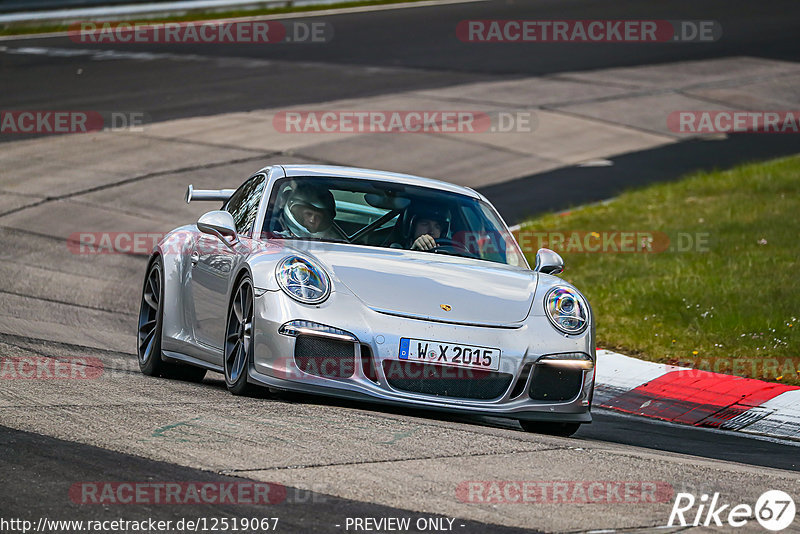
x=377, y=340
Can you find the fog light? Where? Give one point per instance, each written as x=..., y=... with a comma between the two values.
x=309, y=328
x=574, y=359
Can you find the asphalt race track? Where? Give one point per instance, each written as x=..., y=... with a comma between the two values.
x=373, y=53
x=336, y=459
x=53, y=463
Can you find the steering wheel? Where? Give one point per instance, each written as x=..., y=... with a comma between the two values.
x=450, y=246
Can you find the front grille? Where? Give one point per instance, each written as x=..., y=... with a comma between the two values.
x=327, y=358
x=445, y=381
x=555, y=382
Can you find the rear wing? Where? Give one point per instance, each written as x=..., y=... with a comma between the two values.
x=208, y=194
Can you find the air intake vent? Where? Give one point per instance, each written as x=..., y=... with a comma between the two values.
x=555, y=382
x=327, y=358
x=445, y=381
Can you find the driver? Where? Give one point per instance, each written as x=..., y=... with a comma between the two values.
x=309, y=212
x=427, y=225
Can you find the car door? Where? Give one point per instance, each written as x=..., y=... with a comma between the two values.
x=213, y=264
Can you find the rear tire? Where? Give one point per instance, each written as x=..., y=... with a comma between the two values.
x=151, y=320
x=238, y=344
x=554, y=429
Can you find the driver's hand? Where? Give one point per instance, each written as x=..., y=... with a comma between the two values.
x=424, y=242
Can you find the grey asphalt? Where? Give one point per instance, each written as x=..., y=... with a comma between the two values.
x=338, y=459
x=377, y=53
x=567, y=187
x=39, y=472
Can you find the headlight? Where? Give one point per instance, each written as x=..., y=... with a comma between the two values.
x=302, y=280
x=567, y=310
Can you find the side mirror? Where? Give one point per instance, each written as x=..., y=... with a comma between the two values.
x=548, y=262
x=219, y=223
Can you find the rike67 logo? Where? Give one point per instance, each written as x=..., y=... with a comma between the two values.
x=774, y=510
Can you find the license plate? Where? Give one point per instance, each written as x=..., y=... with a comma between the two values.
x=456, y=354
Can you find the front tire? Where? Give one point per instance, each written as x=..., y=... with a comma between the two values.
x=239, y=339
x=151, y=321
x=151, y=314
x=554, y=429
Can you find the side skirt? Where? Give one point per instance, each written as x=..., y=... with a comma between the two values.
x=177, y=356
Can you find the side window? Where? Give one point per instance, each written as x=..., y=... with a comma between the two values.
x=243, y=204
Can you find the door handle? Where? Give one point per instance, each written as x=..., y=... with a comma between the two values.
x=195, y=257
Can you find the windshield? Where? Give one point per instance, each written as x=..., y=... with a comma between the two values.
x=387, y=214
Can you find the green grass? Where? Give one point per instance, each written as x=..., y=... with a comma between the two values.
x=732, y=306
x=24, y=28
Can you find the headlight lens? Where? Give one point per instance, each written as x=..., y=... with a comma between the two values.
x=567, y=310
x=302, y=280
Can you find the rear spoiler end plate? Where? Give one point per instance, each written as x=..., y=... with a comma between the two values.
x=220, y=195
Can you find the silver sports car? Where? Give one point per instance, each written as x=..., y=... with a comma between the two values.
x=369, y=285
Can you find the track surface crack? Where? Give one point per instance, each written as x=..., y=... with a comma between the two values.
x=393, y=460
x=139, y=178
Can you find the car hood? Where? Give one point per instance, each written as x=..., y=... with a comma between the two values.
x=428, y=285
